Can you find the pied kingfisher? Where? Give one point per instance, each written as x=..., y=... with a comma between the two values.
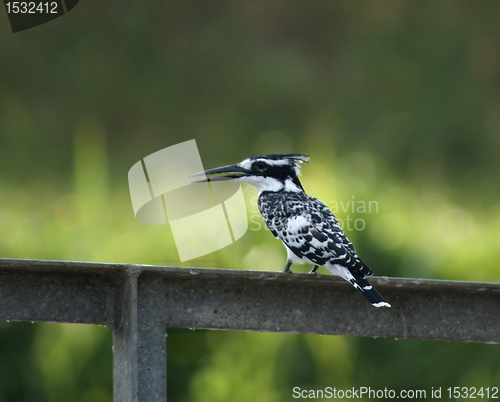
x=307, y=227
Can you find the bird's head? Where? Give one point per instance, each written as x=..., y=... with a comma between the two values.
x=273, y=172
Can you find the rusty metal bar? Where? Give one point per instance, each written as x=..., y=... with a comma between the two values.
x=138, y=303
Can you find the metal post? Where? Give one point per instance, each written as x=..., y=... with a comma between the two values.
x=125, y=370
x=139, y=342
x=151, y=340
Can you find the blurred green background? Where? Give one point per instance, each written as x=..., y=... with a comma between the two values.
x=397, y=102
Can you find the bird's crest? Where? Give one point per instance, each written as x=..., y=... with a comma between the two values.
x=293, y=160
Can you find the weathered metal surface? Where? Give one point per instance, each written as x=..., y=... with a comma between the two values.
x=62, y=291
x=138, y=303
x=257, y=301
x=55, y=296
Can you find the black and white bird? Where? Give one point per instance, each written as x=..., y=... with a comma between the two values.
x=307, y=227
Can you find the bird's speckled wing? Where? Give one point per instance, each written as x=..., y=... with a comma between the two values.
x=309, y=229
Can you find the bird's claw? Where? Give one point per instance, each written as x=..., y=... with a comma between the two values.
x=287, y=269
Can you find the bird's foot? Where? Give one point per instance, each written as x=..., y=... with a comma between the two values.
x=287, y=269
x=314, y=270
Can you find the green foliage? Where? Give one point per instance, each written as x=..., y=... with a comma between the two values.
x=397, y=103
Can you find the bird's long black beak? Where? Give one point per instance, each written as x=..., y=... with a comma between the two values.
x=222, y=173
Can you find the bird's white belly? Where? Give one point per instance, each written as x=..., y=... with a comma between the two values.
x=339, y=270
x=291, y=256
x=334, y=269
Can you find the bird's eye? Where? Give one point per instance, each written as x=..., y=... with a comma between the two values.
x=260, y=165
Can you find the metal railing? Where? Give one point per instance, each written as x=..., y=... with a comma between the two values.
x=138, y=303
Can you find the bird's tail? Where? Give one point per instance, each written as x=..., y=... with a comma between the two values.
x=367, y=290
x=358, y=280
